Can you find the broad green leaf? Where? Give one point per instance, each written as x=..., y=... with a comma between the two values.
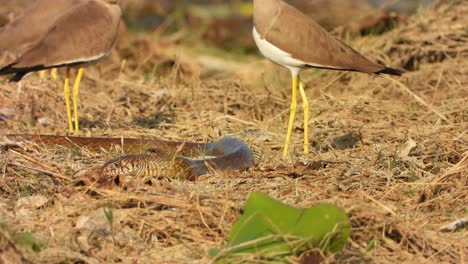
x=272, y=229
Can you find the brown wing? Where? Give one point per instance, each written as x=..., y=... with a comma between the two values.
x=293, y=32
x=33, y=24
x=85, y=33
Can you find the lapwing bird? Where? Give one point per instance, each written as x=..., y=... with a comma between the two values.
x=84, y=34
x=288, y=37
x=28, y=28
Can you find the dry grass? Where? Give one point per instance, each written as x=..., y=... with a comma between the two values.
x=403, y=181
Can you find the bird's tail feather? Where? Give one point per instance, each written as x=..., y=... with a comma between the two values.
x=390, y=71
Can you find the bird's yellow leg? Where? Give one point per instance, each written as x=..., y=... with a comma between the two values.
x=305, y=107
x=42, y=74
x=66, y=88
x=53, y=74
x=292, y=113
x=75, y=97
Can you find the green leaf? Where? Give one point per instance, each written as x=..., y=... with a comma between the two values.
x=27, y=240
x=272, y=229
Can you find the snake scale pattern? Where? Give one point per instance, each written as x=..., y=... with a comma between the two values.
x=155, y=157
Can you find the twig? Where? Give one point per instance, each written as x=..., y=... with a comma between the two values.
x=229, y=117
x=379, y=204
x=41, y=170
x=332, y=81
x=455, y=225
x=459, y=167
x=415, y=96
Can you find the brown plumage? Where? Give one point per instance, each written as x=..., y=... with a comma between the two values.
x=35, y=21
x=85, y=33
x=293, y=32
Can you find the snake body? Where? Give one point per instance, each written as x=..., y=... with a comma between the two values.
x=158, y=158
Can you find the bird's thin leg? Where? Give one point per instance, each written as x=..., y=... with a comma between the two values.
x=292, y=113
x=42, y=74
x=75, y=98
x=53, y=74
x=66, y=88
x=305, y=107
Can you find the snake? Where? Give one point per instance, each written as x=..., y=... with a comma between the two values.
x=157, y=157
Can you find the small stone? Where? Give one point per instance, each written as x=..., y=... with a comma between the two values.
x=43, y=121
x=7, y=113
x=98, y=220
x=407, y=148
x=35, y=201
x=348, y=140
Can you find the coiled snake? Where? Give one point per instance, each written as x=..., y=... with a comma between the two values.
x=158, y=158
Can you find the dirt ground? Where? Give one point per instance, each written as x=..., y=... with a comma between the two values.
x=400, y=183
